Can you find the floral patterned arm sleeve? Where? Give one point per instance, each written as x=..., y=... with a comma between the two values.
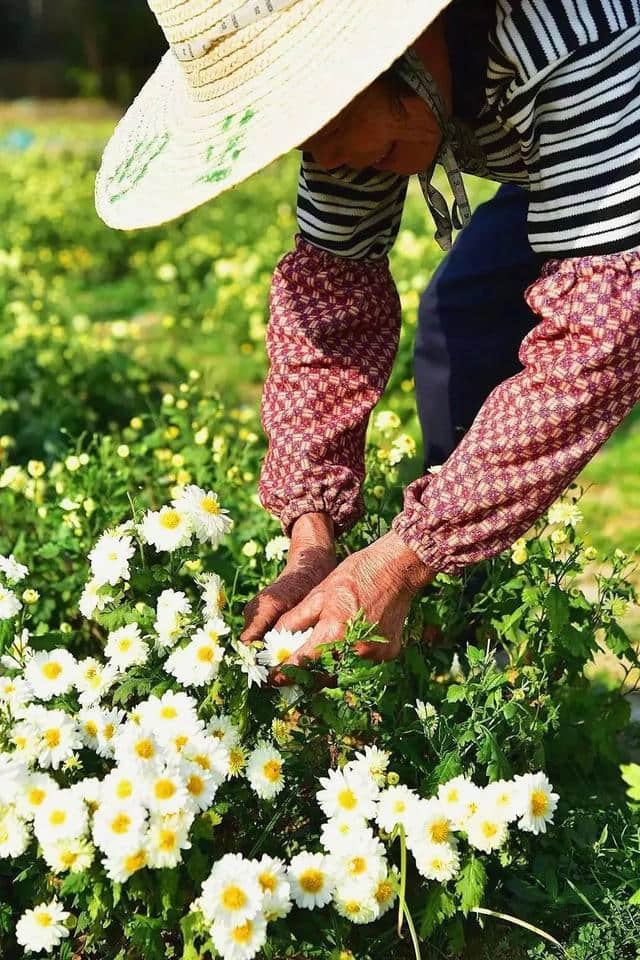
x=332, y=338
x=538, y=429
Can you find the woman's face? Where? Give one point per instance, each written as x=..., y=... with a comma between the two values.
x=374, y=130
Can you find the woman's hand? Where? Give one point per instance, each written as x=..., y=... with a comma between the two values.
x=311, y=558
x=379, y=580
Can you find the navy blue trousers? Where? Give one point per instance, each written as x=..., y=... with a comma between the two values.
x=472, y=320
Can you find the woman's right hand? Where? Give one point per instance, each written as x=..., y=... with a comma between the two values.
x=310, y=559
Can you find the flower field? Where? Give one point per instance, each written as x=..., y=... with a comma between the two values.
x=478, y=797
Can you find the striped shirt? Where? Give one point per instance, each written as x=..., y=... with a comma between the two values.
x=560, y=116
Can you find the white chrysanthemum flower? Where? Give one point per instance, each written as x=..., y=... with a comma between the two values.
x=13, y=776
x=223, y=729
x=19, y=653
x=119, y=826
x=63, y=814
x=199, y=661
x=355, y=902
x=35, y=790
x=137, y=747
x=73, y=854
x=166, y=791
x=386, y=420
x=108, y=728
x=58, y=738
x=242, y=941
x=171, y=716
x=213, y=593
x=15, y=693
x=89, y=721
x=91, y=600
x=126, y=648
x=231, y=893
x=122, y=785
x=362, y=860
x=43, y=927
x=209, y=754
x=13, y=571
x=10, y=606
x=165, y=842
x=167, y=530
x=93, y=680
x=487, y=830
x=429, y=823
x=209, y=520
x=396, y=805
x=26, y=739
x=277, y=548
x=172, y=612
x=249, y=665
x=276, y=889
x=437, y=861
x=238, y=757
x=385, y=893
x=89, y=790
x=341, y=830
x=457, y=795
x=110, y=557
x=119, y=865
x=538, y=801
x=311, y=881
x=346, y=792
x=201, y=786
x=373, y=763
x=504, y=797
x=279, y=645
x=51, y=673
x=14, y=833
x=564, y=512
x=264, y=771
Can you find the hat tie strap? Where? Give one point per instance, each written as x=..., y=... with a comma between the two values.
x=412, y=70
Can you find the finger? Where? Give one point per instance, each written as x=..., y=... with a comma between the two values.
x=379, y=652
x=327, y=631
x=260, y=615
x=304, y=615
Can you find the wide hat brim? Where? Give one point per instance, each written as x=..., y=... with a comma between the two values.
x=266, y=89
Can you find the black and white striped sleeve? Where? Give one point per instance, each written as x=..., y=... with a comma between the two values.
x=352, y=213
x=578, y=119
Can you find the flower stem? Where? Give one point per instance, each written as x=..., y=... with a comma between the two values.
x=403, y=877
x=520, y=923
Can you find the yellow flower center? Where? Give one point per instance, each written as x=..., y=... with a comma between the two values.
x=52, y=670
x=164, y=789
x=214, y=636
x=195, y=785
x=439, y=831
x=210, y=505
x=271, y=770
x=135, y=861
x=347, y=799
x=453, y=796
x=124, y=644
x=121, y=823
x=489, y=829
x=237, y=760
x=206, y=654
x=68, y=858
x=352, y=906
x=233, y=898
x=384, y=892
x=43, y=919
x=283, y=654
x=57, y=818
x=312, y=881
x=399, y=806
x=170, y=520
x=167, y=840
x=108, y=731
x=268, y=882
x=91, y=674
x=4, y=835
x=539, y=803
x=168, y=713
x=436, y=864
x=181, y=742
x=91, y=728
x=35, y=796
x=52, y=737
x=144, y=749
x=203, y=761
x=357, y=865
x=242, y=934
x=124, y=789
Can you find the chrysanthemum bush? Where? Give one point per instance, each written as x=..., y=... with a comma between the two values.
x=144, y=756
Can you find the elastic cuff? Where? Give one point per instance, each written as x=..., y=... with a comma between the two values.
x=423, y=543
x=344, y=515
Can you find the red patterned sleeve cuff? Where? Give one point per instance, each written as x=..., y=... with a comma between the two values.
x=332, y=338
x=537, y=430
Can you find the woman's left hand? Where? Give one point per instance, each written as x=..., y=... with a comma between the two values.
x=379, y=580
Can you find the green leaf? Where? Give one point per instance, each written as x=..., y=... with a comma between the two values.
x=475, y=656
x=635, y=899
x=470, y=884
x=439, y=906
x=631, y=776
x=556, y=604
x=455, y=693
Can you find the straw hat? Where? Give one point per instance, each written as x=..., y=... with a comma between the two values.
x=242, y=84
